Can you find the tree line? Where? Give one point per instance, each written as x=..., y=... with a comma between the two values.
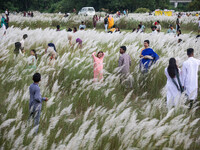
x=99, y=5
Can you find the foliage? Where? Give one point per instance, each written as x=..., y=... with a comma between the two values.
x=81, y=114
x=142, y=10
x=194, y=5
x=69, y=5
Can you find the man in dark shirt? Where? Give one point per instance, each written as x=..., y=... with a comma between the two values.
x=178, y=23
x=106, y=23
x=35, y=103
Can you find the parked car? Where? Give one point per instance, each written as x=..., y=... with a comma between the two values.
x=87, y=11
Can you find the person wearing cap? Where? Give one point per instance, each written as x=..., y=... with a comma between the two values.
x=124, y=64
x=171, y=29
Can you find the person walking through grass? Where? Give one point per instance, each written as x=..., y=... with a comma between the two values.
x=98, y=65
x=3, y=25
x=25, y=36
x=35, y=103
x=199, y=26
x=171, y=30
x=190, y=76
x=148, y=57
x=95, y=19
x=174, y=85
x=124, y=64
x=32, y=60
x=178, y=23
x=82, y=26
x=106, y=23
x=51, y=50
x=110, y=22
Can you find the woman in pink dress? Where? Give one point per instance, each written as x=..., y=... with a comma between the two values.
x=98, y=65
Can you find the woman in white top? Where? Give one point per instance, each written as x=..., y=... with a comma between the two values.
x=174, y=86
x=32, y=60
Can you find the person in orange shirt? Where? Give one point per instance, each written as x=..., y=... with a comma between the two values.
x=110, y=22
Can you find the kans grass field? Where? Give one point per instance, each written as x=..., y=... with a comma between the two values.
x=81, y=114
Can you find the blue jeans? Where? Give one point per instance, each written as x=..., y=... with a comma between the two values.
x=36, y=116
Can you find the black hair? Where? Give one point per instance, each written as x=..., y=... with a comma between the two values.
x=36, y=77
x=99, y=52
x=25, y=36
x=139, y=25
x=58, y=26
x=172, y=68
x=69, y=30
x=190, y=51
x=179, y=31
x=158, y=22
x=82, y=22
x=75, y=29
x=34, y=53
x=81, y=28
x=133, y=30
x=118, y=28
x=147, y=41
x=198, y=36
x=123, y=47
x=180, y=40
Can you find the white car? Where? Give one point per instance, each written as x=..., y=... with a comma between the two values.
x=87, y=11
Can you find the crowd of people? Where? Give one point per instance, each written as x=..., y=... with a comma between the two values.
x=179, y=81
x=28, y=14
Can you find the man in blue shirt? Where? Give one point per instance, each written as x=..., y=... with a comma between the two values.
x=171, y=29
x=82, y=26
x=35, y=104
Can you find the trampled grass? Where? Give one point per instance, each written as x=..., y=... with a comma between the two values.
x=81, y=114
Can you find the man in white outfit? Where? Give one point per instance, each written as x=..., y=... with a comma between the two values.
x=190, y=76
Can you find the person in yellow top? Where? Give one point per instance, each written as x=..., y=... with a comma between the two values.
x=110, y=22
x=197, y=14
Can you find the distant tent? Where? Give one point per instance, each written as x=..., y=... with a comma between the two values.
x=158, y=12
x=168, y=12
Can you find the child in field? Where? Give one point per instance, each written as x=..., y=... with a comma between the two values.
x=98, y=66
x=32, y=60
x=35, y=103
